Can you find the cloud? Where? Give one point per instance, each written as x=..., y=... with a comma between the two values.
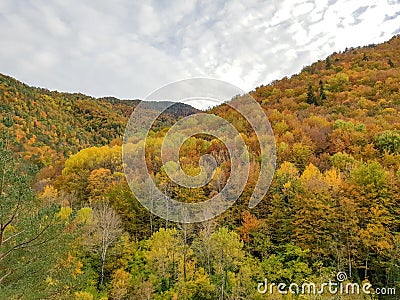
x=128, y=48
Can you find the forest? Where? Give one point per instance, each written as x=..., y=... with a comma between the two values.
x=70, y=227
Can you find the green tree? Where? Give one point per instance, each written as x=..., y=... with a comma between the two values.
x=32, y=235
x=227, y=255
x=164, y=254
x=322, y=94
x=375, y=202
x=388, y=141
x=289, y=264
x=311, y=99
x=328, y=63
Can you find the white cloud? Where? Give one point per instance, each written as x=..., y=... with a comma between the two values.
x=128, y=48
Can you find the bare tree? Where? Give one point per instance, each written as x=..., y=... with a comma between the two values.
x=106, y=228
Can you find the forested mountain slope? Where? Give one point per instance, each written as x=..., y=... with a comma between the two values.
x=49, y=125
x=348, y=102
x=333, y=204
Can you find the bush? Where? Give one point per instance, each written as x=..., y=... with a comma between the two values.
x=388, y=141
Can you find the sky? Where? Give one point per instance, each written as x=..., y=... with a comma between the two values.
x=128, y=48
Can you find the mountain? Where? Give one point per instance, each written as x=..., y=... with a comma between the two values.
x=50, y=125
x=333, y=204
x=359, y=87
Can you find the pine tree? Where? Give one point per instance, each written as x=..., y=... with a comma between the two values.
x=311, y=99
x=328, y=63
x=32, y=238
x=322, y=94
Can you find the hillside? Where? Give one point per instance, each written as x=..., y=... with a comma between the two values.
x=340, y=104
x=333, y=204
x=359, y=84
x=50, y=126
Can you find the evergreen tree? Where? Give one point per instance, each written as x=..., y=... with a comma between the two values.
x=31, y=233
x=322, y=94
x=328, y=63
x=311, y=99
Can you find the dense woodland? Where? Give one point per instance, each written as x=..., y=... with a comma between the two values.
x=70, y=228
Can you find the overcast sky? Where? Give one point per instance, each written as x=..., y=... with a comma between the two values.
x=129, y=48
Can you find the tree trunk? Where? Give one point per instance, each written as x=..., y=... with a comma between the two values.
x=223, y=277
x=103, y=261
x=350, y=270
x=184, y=251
